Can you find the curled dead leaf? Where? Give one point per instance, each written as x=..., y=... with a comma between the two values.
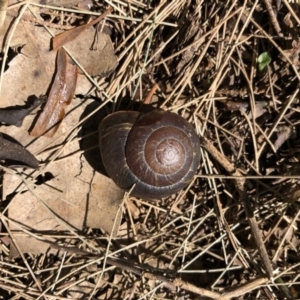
x=17, y=153
x=16, y=115
x=69, y=35
x=61, y=94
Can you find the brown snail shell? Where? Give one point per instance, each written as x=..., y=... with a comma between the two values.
x=158, y=151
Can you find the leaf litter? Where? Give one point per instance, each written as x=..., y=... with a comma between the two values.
x=61, y=94
x=30, y=72
x=194, y=244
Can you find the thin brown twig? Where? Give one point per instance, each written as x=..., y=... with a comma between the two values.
x=169, y=281
x=148, y=99
x=245, y=288
x=27, y=18
x=273, y=17
x=148, y=272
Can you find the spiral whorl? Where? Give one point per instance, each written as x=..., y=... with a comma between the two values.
x=159, y=152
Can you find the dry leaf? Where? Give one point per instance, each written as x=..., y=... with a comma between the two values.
x=293, y=52
x=3, y=7
x=70, y=187
x=85, y=4
x=31, y=71
x=61, y=94
x=81, y=290
x=243, y=106
x=236, y=105
x=17, y=153
x=109, y=203
x=101, y=60
x=284, y=133
x=69, y=35
x=69, y=190
x=15, y=116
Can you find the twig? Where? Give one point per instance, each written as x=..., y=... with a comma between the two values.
x=148, y=99
x=27, y=18
x=273, y=18
x=246, y=288
x=148, y=272
x=291, y=11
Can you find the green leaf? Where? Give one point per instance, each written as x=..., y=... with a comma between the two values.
x=263, y=60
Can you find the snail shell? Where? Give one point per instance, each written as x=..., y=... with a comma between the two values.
x=158, y=151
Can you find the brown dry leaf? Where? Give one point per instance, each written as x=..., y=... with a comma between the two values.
x=61, y=94
x=70, y=35
x=31, y=71
x=15, y=115
x=116, y=290
x=75, y=193
x=284, y=133
x=3, y=7
x=17, y=153
x=243, y=106
x=85, y=4
x=236, y=105
x=287, y=20
x=294, y=194
x=293, y=53
x=108, y=202
x=68, y=196
x=82, y=290
x=291, y=24
x=101, y=60
x=134, y=210
x=68, y=193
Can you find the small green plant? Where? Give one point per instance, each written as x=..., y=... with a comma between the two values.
x=263, y=60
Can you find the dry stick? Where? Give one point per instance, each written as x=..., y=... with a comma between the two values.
x=27, y=18
x=246, y=288
x=240, y=185
x=186, y=286
x=148, y=99
x=273, y=18
x=286, y=2
x=147, y=272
